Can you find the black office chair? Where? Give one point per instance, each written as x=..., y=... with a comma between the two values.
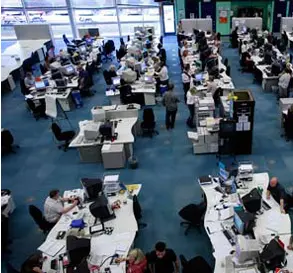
x=122, y=41
x=192, y=214
x=288, y=126
x=148, y=124
x=7, y=141
x=107, y=77
x=137, y=212
x=23, y=89
x=39, y=219
x=197, y=264
x=128, y=38
x=64, y=137
x=43, y=69
x=37, y=111
x=226, y=62
x=228, y=70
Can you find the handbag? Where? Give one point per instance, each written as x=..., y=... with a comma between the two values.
x=77, y=223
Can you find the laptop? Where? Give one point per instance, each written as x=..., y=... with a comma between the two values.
x=40, y=85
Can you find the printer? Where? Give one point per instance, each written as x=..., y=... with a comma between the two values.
x=129, y=75
x=98, y=114
x=91, y=130
x=246, y=249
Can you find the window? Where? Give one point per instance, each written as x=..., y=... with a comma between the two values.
x=44, y=3
x=52, y=17
x=11, y=4
x=130, y=15
x=151, y=14
x=12, y=17
x=106, y=30
x=94, y=16
x=93, y=3
x=137, y=2
x=7, y=32
x=58, y=31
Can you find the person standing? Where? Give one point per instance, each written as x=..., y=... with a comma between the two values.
x=163, y=260
x=191, y=98
x=283, y=84
x=170, y=101
x=186, y=77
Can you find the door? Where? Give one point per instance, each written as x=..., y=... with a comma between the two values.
x=168, y=19
x=279, y=12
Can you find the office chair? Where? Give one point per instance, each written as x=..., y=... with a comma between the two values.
x=60, y=136
x=7, y=141
x=228, y=70
x=122, y=41
x=88, y=83
x=65, y=40
x=108, y=48
x=161, y=40
x=288, y=126
x=197, y=264
x=148, y=124
x=39, y=219
x=23, y=89
x=107, y=77
x=137, y=212
x=37, y=111
x=192, y=214
x=10, y=268
x=43, y=69
x=226, y=62
x=128, y=38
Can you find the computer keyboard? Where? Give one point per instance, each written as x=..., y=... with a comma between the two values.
x=229, y=237
x=265, y=205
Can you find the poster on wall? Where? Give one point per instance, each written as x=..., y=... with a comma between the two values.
x=223, y=17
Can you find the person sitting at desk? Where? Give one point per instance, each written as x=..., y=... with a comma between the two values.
x=218, y=42
x=47, y=63
x=54, y=208
x=163, y=74
x=244, y=47
x=126, y=95
x=51, y=54
x=163, y=260
x=211, y=85
x=29, y=80
x=33, y=264
x=186, y=77
x=247, y=61
x=162, y=53
x=83, y=81
x=283, y=84
x=112, y=71
x=184, y=47
x=136, y=261
x=185, y=57
x=179, y=27
x=278, y=192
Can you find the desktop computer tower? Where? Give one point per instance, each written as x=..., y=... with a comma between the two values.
x=243, y=114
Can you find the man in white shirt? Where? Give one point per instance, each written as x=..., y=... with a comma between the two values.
x=54, y=208
x=284, y=81
x=163, y=74
x=244, y=47
x=186, y=77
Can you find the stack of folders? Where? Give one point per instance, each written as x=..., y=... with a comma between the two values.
x=205, y=180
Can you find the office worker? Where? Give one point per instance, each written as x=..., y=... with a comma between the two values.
x=163, y=74
x=179, y=27
x=136, y=261
x=163, y=260
x=126, y=95
x=212, y=85
x=283, y=83
x=54, y=208
x=244, y=47
x=234, y=38
x=191, y=99
x=170, y=101
x=288, y=123
x=47, y=63
x=185, y=57
x=184, y=47
x=247, y=61
x=33, y=264
x=29, y=80
x=277, y=191
x=162, y=53
x=218, y=42
x=82, y=77
x=51, y=53
x=112, y=71
x=186, y=77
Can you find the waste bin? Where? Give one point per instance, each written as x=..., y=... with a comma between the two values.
x=132, y=162
x=77, y=98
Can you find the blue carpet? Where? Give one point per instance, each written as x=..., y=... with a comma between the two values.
x=167, y=168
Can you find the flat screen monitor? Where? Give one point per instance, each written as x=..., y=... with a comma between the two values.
x=116, y=81
x=92, y=187
x=60, y=83
x=199, y=77
x=143, y=66
x=238, y=223
x=148, y=79
x=56, y=75
x=40, y=85
x=70, y=69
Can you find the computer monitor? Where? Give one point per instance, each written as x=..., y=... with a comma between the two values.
x=143, y=67
x=238, y=223
x=56, y=75
x=244, y=221
x=67, y=69
x=92, y=187
x=148, y=79
x=77, y=249
x=252, y=201
x=198, y=77
x=116, y=81
x=40, y=85
x=107, y=130
x=101, y=209
x=61, y=83
x=94, y=32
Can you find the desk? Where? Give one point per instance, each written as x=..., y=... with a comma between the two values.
x=125, y=228
x=267, y=81
x=90, y=151
x=222, y=247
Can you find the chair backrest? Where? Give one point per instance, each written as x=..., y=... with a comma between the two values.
x=136, y=208
x=199, y=265
x=31, y=105
x=192, y=213
x=228, y=70
x=37, y=215
x=42, y=68
x=6, y=138
x=148, y=115
x=56, y=130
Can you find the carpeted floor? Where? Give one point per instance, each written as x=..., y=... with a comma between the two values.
x=167, y=168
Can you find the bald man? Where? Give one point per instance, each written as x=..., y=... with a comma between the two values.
x=279, y=194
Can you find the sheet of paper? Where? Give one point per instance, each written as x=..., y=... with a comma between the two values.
x=126, y=236
x=102, y=248
x=246, y=126
x=51, y=247
x=226, y=213
x=239, y=126
x=214, y=227
x=243, y=118
x=212, y=215
x=110, y=107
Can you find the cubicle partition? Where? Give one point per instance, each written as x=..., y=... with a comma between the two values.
x=286, y=24
x=201, y=24
x=249, y=22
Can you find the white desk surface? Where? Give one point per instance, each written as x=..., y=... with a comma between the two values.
x=264, y=74
x=285, y=103
x=125, y=227
x=38, y=96
x=220, y=243
x=124, y=130
x=23, y=49
x=290, y=36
